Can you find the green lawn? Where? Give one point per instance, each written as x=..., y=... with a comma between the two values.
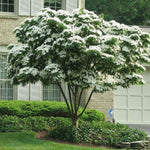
x=27, y=141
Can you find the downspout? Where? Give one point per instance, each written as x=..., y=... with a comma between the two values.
x=29, y=92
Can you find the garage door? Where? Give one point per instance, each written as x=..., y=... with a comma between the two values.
x=132, y=106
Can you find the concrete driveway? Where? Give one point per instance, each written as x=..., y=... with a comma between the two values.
x=143, y=127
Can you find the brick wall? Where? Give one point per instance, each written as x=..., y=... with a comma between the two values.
x=102, y=102
x=7, y=25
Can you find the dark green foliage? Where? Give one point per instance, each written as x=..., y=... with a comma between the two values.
x=34, y=108
x=45, y=108
x=93, y=115
x=101, y=133
x=36, y=123
x=131, y=12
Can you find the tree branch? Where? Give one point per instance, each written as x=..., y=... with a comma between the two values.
x=75, y=100
x=80, y=99
x=72, y=91
x=70, y=98
x=86, y=103
x=64, y=97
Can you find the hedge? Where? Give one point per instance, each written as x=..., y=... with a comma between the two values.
x=97, y=133
x=44, y=108
x=33, y=123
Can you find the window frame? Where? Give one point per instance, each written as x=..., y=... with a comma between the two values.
x=14, y=88
x=53, y=93
x=63, y=4
x=16, y=8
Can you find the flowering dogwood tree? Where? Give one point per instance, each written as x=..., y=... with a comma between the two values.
x=80, y=49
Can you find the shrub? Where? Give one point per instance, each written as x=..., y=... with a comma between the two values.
x=33, y=108
x=45, y=108
x=34, y=123
x=93, y=115
x=101, y=133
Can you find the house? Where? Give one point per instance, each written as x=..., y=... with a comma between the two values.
x=131, y=106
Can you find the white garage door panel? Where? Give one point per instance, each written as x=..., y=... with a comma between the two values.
x=134, y=102
x=146, y=76
x=135, y=116
x=121, y=101
x=121, y=91
x=135, y=90
x=146, y=116
x=133, y=105
x=122, y=113
x=146, y=102
x=146, y=89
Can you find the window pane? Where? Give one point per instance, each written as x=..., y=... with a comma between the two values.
x=6, y=88
x=4, y=1
x=6, y=5
x=46, y=4
x=11, y=8
x=4, y=8
x=58, y=4
x=53, y=4
x=3, y=73
x=51, y=93
x=11, y=1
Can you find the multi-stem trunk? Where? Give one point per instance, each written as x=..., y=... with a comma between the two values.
x=74, y=101
x=75, y=121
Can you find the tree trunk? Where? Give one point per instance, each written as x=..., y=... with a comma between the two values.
x=75, y=121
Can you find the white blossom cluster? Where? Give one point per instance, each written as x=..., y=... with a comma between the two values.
x=80, y=48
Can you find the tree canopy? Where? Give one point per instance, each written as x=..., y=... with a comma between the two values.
x=81, y=49
x=131, y=12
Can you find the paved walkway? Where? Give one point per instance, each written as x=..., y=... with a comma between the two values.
x=145, y=128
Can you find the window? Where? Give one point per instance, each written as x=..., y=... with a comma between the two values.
x=6, y=5
x=51, y=93
x=6, y=88
x=53, y=4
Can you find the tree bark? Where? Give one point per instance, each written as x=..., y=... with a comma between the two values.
x=75, y=121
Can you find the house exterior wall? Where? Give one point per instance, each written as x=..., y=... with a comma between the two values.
x=7, y=25
x=100, y=101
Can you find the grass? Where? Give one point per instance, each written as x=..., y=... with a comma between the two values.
x=28, y=141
